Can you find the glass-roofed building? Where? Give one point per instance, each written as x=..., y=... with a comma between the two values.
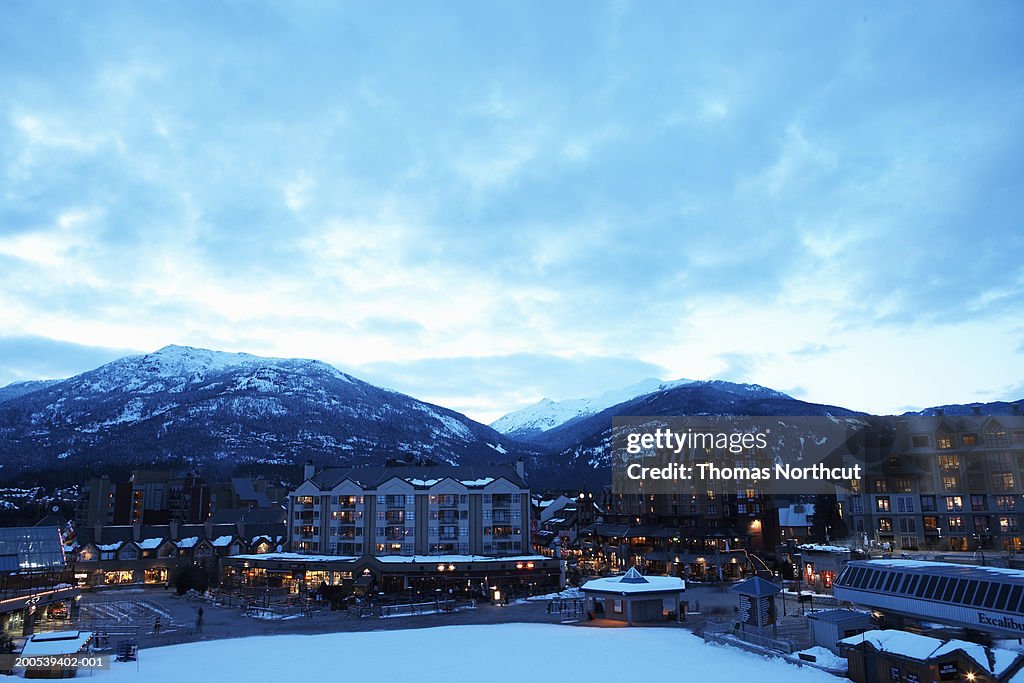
x=33, y=575
x=986, y=599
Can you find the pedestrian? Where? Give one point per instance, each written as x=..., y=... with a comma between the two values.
x=199, y=620
x=156, y=626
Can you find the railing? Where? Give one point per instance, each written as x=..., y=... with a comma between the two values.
x=432, y=607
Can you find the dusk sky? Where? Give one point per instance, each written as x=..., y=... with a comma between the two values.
x=482, y=204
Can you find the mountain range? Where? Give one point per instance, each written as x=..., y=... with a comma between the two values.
x=225, y=413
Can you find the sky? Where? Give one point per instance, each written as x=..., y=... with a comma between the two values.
x=485, y=204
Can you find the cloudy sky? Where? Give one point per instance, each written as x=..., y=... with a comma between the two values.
x=483, y=204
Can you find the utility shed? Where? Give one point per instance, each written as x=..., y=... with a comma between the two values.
x=634, y=598
x=831, y=626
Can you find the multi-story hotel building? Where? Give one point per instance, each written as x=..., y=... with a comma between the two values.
x=430, y=510
x=950, y=483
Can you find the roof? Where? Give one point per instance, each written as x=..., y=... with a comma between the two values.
x=924, y=648
x=756, y=586
x=634, y=583
x=838, y=616
x=56, y=643
x=797, y=515
x=437, y=559
x=295, y=557
x=244, y=490
x=821, y=548
x=418, y=476
x=960, y=571
x=35, y=547
x=274, y=514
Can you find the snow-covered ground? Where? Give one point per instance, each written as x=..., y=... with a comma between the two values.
x=496, y=654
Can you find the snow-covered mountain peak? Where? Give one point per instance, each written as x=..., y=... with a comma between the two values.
x=547, y=414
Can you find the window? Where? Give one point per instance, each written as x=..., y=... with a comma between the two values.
x=970, y=439
x=978, y=503
x=908, y=525
x=882, y=504
x=919, y=441
x=885, y=525
x=617, y=606
x=905, y=504
x=956, y=524
x=954, y=504
x=949, y=463
x=944, y=441
x=1002, y=481
x=927, y=503
x=1008, y=525
x=995, y=435
x=982, y=524
x=951, y=483
x=931, y=523
x=881, y=486
x=904, y=486
x=1005, y=503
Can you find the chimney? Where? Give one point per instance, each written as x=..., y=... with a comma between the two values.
x=521, y=469
x=98, y=533
x=308, y=470
x=208, y=529
x=173, y=529
x=137, y=531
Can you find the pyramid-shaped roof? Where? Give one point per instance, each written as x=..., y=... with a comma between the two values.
x=756, y=586
x=633, y=576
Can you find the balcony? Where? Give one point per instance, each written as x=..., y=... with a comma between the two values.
x=395, y=502
x=394, y=533
x=501, y=501
x=395, y=516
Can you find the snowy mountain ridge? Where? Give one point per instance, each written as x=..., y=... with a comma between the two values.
x=204, y=409
x=547, y=414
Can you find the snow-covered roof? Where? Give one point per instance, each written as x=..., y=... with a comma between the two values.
x=923, y=648
x=796, y=515
x=188, y=542
x=821, y=548
x=295, y=557
x=56, y=643
x=438, y=559
x=632, y=582
x=150, y=543
x=107, y=547
x=960, y=568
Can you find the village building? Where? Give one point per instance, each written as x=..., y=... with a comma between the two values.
x=634, y=598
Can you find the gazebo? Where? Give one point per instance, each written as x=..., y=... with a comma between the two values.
x=634, y=598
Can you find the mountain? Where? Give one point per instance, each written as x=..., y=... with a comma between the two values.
x=530, y=423
x=547, y=414
x=993, y=408
x=16, y=389
x=217, y=412
x=583, y=446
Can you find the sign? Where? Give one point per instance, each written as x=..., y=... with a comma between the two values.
x=746, y=603
x=949, y=671
x=894, y=673
x=913, y=678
